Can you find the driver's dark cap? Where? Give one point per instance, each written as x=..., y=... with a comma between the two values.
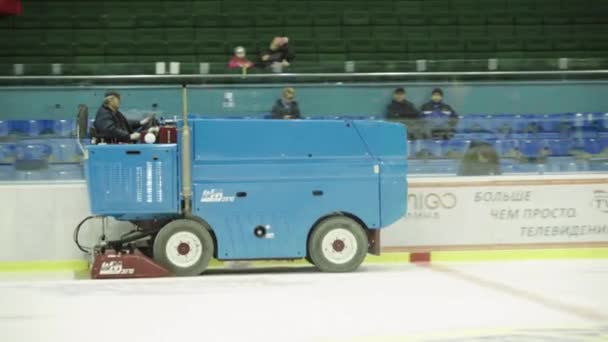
x=112, y=93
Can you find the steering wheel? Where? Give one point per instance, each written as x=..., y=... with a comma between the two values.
x=151, y=123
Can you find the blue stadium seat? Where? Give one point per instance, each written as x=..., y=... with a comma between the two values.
x=502, y=125
x=603, y=141
x=583, y=120
x=476, y=123
x=4, y=128
x=528, y=123
x=455, y=148
x=507, y=148
x=427, y=148
x=601, y=120
x=64, y=151
x=7, y=153
x=550, y=123
x=558, y=147
x=32, y=128
x=64, y=128
x=532, y=148
x=591, y=146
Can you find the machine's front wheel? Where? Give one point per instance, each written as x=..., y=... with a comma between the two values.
x=337, y=244
x=184, y=247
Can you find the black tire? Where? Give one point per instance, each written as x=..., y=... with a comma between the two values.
x=356, y=239
x=192, y=230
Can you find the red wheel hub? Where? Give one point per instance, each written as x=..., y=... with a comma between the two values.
x=338, y=245
x=183, y=248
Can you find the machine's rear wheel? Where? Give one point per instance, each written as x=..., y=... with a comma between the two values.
x=184, y=247
x=338, y=244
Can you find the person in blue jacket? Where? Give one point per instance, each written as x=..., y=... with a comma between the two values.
x=441, y=119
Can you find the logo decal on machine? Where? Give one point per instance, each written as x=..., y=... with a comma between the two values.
x=215, y=196
x=114, y=268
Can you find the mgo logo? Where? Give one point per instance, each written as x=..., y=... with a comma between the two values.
x=600, y=200
x=431, y=201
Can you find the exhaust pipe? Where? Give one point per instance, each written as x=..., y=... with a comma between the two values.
x=186, y=151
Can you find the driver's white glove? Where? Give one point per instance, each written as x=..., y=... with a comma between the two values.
x=145, y=121
x=155, y=129
x=135, y=136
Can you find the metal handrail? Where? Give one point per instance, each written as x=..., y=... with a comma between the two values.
x=198, y=77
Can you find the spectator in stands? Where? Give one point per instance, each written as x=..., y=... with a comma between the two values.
x=481, y=159
x=112, y=126
x=279, y=54
x=239, y=59
x=404, y=111
x=286, y=107
x=441, y=119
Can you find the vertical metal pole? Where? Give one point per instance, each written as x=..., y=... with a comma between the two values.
x=186, y=148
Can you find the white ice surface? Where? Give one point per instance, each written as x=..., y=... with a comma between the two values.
x=378, y=303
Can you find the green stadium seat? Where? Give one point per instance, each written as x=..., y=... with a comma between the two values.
x=449, y=45
x=150, y=20
x=206, y=34
x=500, y=20
x=330, y=19
x=473, y=31
x=150, y=36
x=557, y=19
x=175, y=20
x=328, y=46
x=396, y=46
x=122, y=20
x=537, y=44
x=294, y=7
x=89, y=35
x=480, y=45
x=590, y=19
x=239, y=34
x=409, y=4
x=420, y=45
x=568, y=45
x=120, y=49
x=385, y=19
x=446, y=19
x=306, y=58
x=89, y=21
x=471, y=19
x=421, y=32
x=557, y=31
x=296, y=33
x=304, y=46
x=268, y=20
x=181, y=35
x=465, y=5
x=91, y=48
x=502, y=55
x=356, y=19
x=327, y=32
x=509, y=44
x=529, y=19
x=58, y=49
x=208, y=20
x=119, y=59
x=356, y=32
x=300, y=19
x=438, y=32
x=413, y=20
x=207, y=7
x=360, y=45
x=59, y=36
x=528, y=30
x=500, y=31
x=244, y=21
x=332, y=58
x=6, y=22
x=213, y=47
x=386, y=32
